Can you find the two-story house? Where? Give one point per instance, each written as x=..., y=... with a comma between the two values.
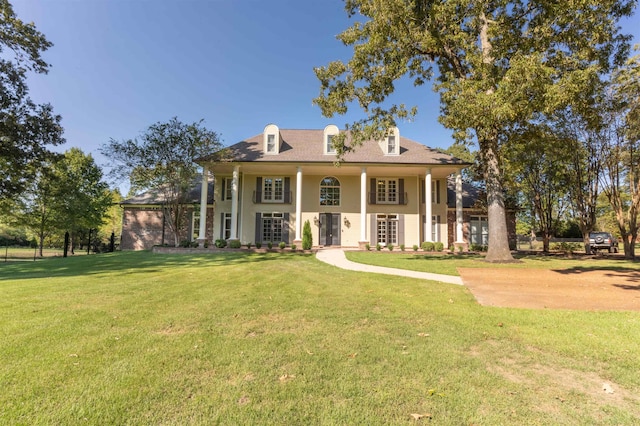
x=392, y=191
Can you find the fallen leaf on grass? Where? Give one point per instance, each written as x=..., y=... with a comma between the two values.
x=423, y=334
x=244, y=400
x=420, y=416
x=353, y=355
x=287, y=377
x=606, y=387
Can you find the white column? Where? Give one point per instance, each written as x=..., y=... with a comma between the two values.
x=363, y=205
x=427, y=203
x=202, y=232
x=299, y=204
x=234, y=204
x=459, y=236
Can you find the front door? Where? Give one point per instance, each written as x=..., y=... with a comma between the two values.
x=329, y=229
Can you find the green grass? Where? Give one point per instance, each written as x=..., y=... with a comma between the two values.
x=25, y=253
x=239, y=338
x=447, y=264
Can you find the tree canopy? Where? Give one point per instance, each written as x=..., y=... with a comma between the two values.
x=26, y=128
x=499, y=63
x=163, y=159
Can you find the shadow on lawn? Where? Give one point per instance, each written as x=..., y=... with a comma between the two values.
x=122, y=263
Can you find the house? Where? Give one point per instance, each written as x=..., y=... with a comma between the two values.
x=145, y=220
x=389, y=192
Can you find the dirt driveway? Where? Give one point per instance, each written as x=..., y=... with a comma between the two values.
x=549, y=289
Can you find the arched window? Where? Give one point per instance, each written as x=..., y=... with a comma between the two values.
x=330, y=192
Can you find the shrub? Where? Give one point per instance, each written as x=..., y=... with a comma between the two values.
x=206, y=243
x=438, y=246
x=249, y=246
x=293, y=247
x=415, y=247
x=477, y=247
x=282, y=245
x=221, y=243
x=390, y=247
x=258, y=244
x=270, y=245
x=236, y=244
x=401, y=247
x=378, y=247
x=567, y=248
x=307, y=237
x=427, y=246
x=367, y=247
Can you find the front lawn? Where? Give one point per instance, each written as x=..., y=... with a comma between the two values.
x=448, y=264
x=249, y=338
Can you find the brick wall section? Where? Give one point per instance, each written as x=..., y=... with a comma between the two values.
x=142, y=228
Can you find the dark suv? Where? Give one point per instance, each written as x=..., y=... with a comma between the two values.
x=603, y=241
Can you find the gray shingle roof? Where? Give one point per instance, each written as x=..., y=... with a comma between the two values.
x=301, y=146
x=154, y=196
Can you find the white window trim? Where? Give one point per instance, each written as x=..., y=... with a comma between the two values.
x=272, y=199
x=388, y=218
x=195, y=230
x=331, y=186
x=271, y=144
x=387, y=192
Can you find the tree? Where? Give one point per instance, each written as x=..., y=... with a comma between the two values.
x=25, y=128
x=307, y=237
x=621, y=151
x=499, y=63
x=163, y=159
x=83, y=197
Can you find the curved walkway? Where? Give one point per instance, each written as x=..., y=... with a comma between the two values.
x=336, y=257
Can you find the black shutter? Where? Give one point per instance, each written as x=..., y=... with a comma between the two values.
x=285, y=228
x=372, y=193
x=258, y=227
x=221, y=225
x=401, y=229
x=374, y=231
x=437, y=192
x=422, y=191
x=287, y=190
x=258, y=190
x=401, y=191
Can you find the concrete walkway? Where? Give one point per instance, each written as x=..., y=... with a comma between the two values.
x=336, y=257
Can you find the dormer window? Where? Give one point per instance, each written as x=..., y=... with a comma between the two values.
x=391, y=145
x=271, y=144
x=329, y=132
x=330, y=148
x=271, y=139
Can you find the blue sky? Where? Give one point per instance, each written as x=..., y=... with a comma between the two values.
x=118, y=66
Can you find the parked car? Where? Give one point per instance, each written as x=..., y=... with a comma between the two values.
x=603, y=241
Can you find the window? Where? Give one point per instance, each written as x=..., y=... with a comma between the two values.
x=330, y=192
x=435, y=228
x=387, y=191
x=479, y=230
x=387, y=229
x=272, y=227
x=226, y=226
x=391, y=145
x=271, y=143
x=435, y=192
x=227, y=191
x=330, y=148
x=195, y=225
x=273, y=190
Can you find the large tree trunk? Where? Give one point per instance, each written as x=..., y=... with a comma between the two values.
x=498, y=250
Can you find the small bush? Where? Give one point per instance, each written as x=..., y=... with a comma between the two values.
x=235, y=244
x=293, y=247
x=270, y=245
x=282, y=245
x=427, y=246
x=249, y=246
x=221, y=243
x=258, y=244
x=401, y=247
x=390, y=247
x=478, y=247
x=307, y=237
x=367, y=247
x=415, y=247
x=438, y=246
x=567, y=248
x=206, y=243
x=378, y=247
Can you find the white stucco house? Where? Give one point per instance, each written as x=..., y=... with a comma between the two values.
x=392, y=191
